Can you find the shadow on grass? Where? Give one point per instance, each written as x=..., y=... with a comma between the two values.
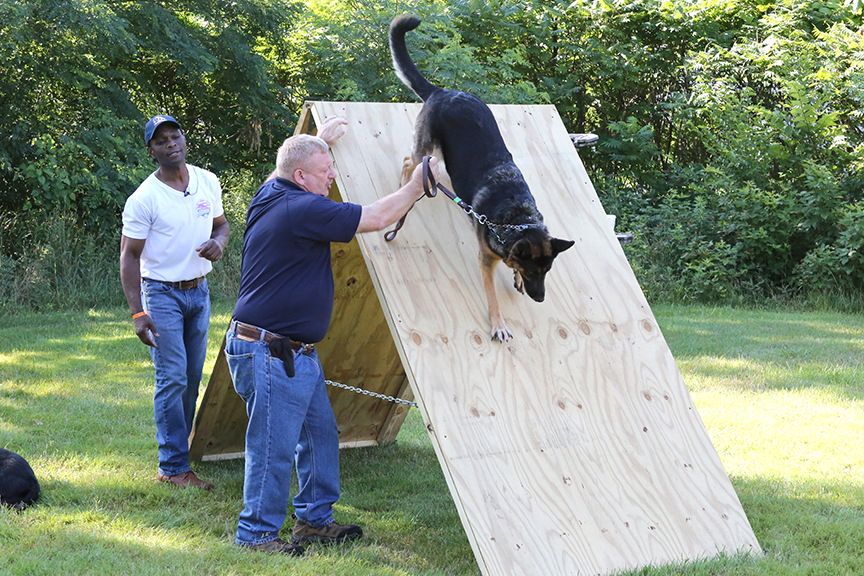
x=396, y=493
x=809, y=529
x=91, y=543
x=769, y=350
x=399, y=494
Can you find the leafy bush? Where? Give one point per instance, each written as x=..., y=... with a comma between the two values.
x=60, y=264
x=840, y=265
x=339, y=51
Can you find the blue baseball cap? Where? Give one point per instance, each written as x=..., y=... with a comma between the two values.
x=154, y=123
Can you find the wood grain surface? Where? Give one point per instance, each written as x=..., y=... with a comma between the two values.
x=575, y=448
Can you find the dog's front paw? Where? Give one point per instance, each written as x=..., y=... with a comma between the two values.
x=517, y=282
x=501, y=333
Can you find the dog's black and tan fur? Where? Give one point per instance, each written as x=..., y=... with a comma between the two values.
x=459, y=127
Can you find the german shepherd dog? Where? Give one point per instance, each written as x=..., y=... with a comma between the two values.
x=481, y=169
x=18, y=485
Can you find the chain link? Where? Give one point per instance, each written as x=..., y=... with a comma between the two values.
x=368, y=393
x=482, y=219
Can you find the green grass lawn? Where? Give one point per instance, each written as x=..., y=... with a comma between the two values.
x=780, y=393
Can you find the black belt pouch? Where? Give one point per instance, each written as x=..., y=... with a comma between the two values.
x=281, y=349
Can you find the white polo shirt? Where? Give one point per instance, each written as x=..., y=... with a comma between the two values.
x=173, y=223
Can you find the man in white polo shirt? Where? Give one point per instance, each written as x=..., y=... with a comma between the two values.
x=173, y=228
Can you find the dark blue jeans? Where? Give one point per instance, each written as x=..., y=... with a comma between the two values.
x=182, y=318
x=290, y=422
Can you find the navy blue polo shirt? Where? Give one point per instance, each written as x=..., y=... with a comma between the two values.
x=286, y=280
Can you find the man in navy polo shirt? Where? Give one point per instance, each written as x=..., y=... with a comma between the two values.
x=284, y=306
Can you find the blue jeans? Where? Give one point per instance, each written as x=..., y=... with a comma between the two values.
x=290, y=422
x=182, y=318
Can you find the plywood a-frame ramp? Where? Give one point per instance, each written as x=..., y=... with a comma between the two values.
x=572, y=449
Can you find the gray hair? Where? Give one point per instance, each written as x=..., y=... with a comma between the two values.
x=295, y=152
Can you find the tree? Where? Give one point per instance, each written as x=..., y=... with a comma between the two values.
x=78, y=79
x=339, y=51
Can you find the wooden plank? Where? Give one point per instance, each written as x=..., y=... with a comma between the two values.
x=574, y=448
x=220, y=424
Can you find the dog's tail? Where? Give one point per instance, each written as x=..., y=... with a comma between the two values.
x=402, y=63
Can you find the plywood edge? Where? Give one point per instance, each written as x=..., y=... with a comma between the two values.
x=225, y=456
x=358, y=444
x=303, y=122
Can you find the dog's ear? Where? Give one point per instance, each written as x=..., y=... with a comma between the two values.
x=559, y=245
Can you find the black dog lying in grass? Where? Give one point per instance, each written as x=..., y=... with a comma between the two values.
x=18, y=485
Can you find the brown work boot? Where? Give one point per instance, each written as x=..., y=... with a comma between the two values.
x=330, y=534
x=278, y=546
x=187, y=478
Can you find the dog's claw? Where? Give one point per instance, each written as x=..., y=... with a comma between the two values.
x=501, y=334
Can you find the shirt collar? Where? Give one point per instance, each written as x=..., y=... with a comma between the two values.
x=289, y=184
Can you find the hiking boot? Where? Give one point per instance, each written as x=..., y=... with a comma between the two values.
x=330, y=534
x=185, y=479
x=278, y=546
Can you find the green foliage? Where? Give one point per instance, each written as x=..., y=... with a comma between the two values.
x=710, y=241
x=339, y=51
x=631, y=152
x=56, y=263
x=78, y=79
x=731, y=141
x=761, y=159
x=841, y=263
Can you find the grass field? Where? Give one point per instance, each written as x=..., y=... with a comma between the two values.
x=780, y=393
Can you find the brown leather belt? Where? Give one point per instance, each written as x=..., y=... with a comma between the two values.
x=182, y=284
x=252, y=333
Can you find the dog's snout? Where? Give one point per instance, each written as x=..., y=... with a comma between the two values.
x=537, y=292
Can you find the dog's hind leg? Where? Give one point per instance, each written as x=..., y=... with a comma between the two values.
x=408, y=166
x=488, y=262
x=424, y=145
x=409, y=163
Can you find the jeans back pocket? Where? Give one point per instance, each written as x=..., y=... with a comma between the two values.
x=241, y=365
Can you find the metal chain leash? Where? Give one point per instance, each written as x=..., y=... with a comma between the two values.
x=368, y=393
x=431, y=191
x=483, y=220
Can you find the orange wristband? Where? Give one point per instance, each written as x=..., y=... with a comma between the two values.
x=139, y=314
